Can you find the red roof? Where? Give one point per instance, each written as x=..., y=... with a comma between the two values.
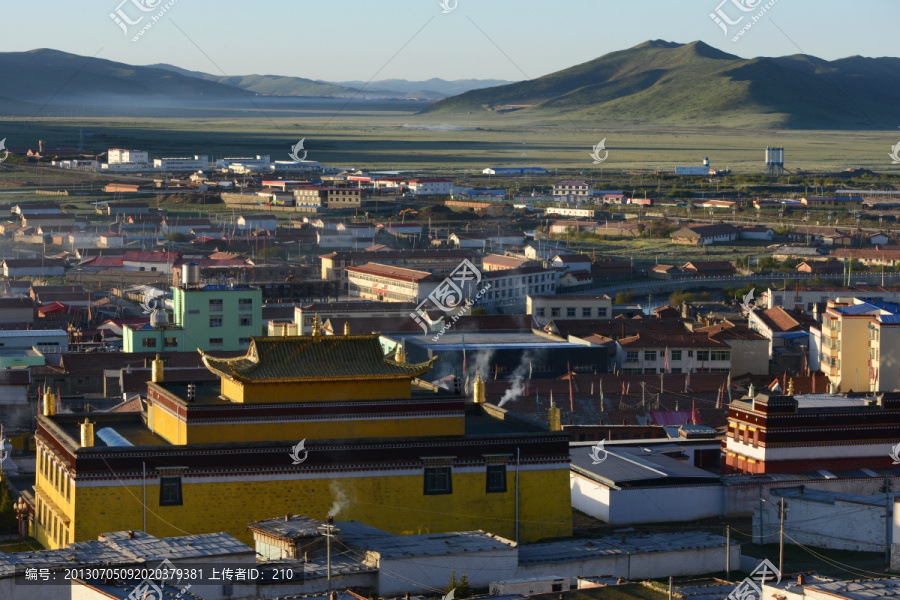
x=52, y=308
x=144, y=256
x=104, y=262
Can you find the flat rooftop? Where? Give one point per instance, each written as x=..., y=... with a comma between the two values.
x=482, y=340
x=585, y=549
x=390, y=545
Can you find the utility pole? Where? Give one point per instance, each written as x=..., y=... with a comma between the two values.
x=329, y=530
x=728, y=552
x=888, y=509
x=781, y=540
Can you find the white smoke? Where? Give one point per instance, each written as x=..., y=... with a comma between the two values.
x=482, y=364
x=340, y=500
x=518, y=379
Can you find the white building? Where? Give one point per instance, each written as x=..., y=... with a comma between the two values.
x=581, y=213
x=575, y=192
x=257, y=222
x=647, y=353
x=121, y=156
x=430, y=187
x=544, y=308
x=76, y=164
x=200, y=162
x=247, y=164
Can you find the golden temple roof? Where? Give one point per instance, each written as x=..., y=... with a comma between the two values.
x=298, y=359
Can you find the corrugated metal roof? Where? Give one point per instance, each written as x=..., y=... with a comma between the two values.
x=25, y=333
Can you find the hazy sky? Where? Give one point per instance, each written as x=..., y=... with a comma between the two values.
x=355, y=39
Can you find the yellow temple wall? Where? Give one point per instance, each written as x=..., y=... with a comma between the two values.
x=323, y=430
x=392, y=502
x=263, y=393
x=166, y=425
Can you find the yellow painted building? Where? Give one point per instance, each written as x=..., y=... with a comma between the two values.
x=311, y=425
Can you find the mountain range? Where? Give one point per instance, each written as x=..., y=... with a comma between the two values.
x=694, y=84
x=655, y=83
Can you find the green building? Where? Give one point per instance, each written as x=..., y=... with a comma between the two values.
x=205, y=317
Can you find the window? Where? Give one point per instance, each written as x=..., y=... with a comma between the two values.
x=650, y=355
x=194, y=311
x=631, y=357
x=570, y=312
x=496, y=478
x=585, y=312
x=215, y=321
x=213, y=342
x=215, y=305
x=170, y=342
x=601, y=312
x=540, y=312
x=148, y=342
x=246, y=320
x=702, y=355
x=245, y=304
x=720, y=355
x=244, y=341
x=554, y=312
x=170, y=491
x=676, y=355
x=438, y=481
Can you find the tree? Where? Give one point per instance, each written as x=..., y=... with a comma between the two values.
x=623, y=297
x=462, y=587
x=177, y=237
x=8, y=521
x=478, y=311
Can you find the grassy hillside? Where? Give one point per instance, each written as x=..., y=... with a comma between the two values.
x=40, y=76
x=695, y=84
x=271, y=85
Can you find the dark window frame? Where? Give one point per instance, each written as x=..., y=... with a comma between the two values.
x=498, y=484
x=432, y=483
x=170, y=491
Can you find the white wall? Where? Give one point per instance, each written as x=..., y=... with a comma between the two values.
x=401, y=575
x=841, y=526
x=645, y=504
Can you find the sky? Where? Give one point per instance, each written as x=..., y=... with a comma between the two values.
x=343, y=40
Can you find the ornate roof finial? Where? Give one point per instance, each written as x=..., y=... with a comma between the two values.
x=315, y=327
x=790, y=390
x=400, y=356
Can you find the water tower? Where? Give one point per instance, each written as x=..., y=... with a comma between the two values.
x=774, y=160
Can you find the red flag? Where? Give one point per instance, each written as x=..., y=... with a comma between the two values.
x=496, y=370
x=666, y=369
x=813, y=383
x=694, y=412
x=571, y=396
x=623, y=387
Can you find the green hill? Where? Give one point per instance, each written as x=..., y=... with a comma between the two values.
x=38, y=77
x=270, y=85
x=694, y=84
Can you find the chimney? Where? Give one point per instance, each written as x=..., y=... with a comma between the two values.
x=49, y=403
x=287, y=517
x=457, y=385
x=479, y=390
x=131, y=535
x=87, y=434
x=553, y=418
x=156, y=372
x=191, y=392
x=40, y=146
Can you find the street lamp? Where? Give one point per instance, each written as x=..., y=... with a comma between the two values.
x=21, y=509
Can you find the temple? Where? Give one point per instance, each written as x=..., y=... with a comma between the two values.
x=313, y=425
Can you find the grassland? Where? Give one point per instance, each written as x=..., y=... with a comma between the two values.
x=391, y=136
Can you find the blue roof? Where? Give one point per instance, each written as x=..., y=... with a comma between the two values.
x=892, y=319
x=856, y=309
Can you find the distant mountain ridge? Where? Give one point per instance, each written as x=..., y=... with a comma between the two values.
x=694, y=84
